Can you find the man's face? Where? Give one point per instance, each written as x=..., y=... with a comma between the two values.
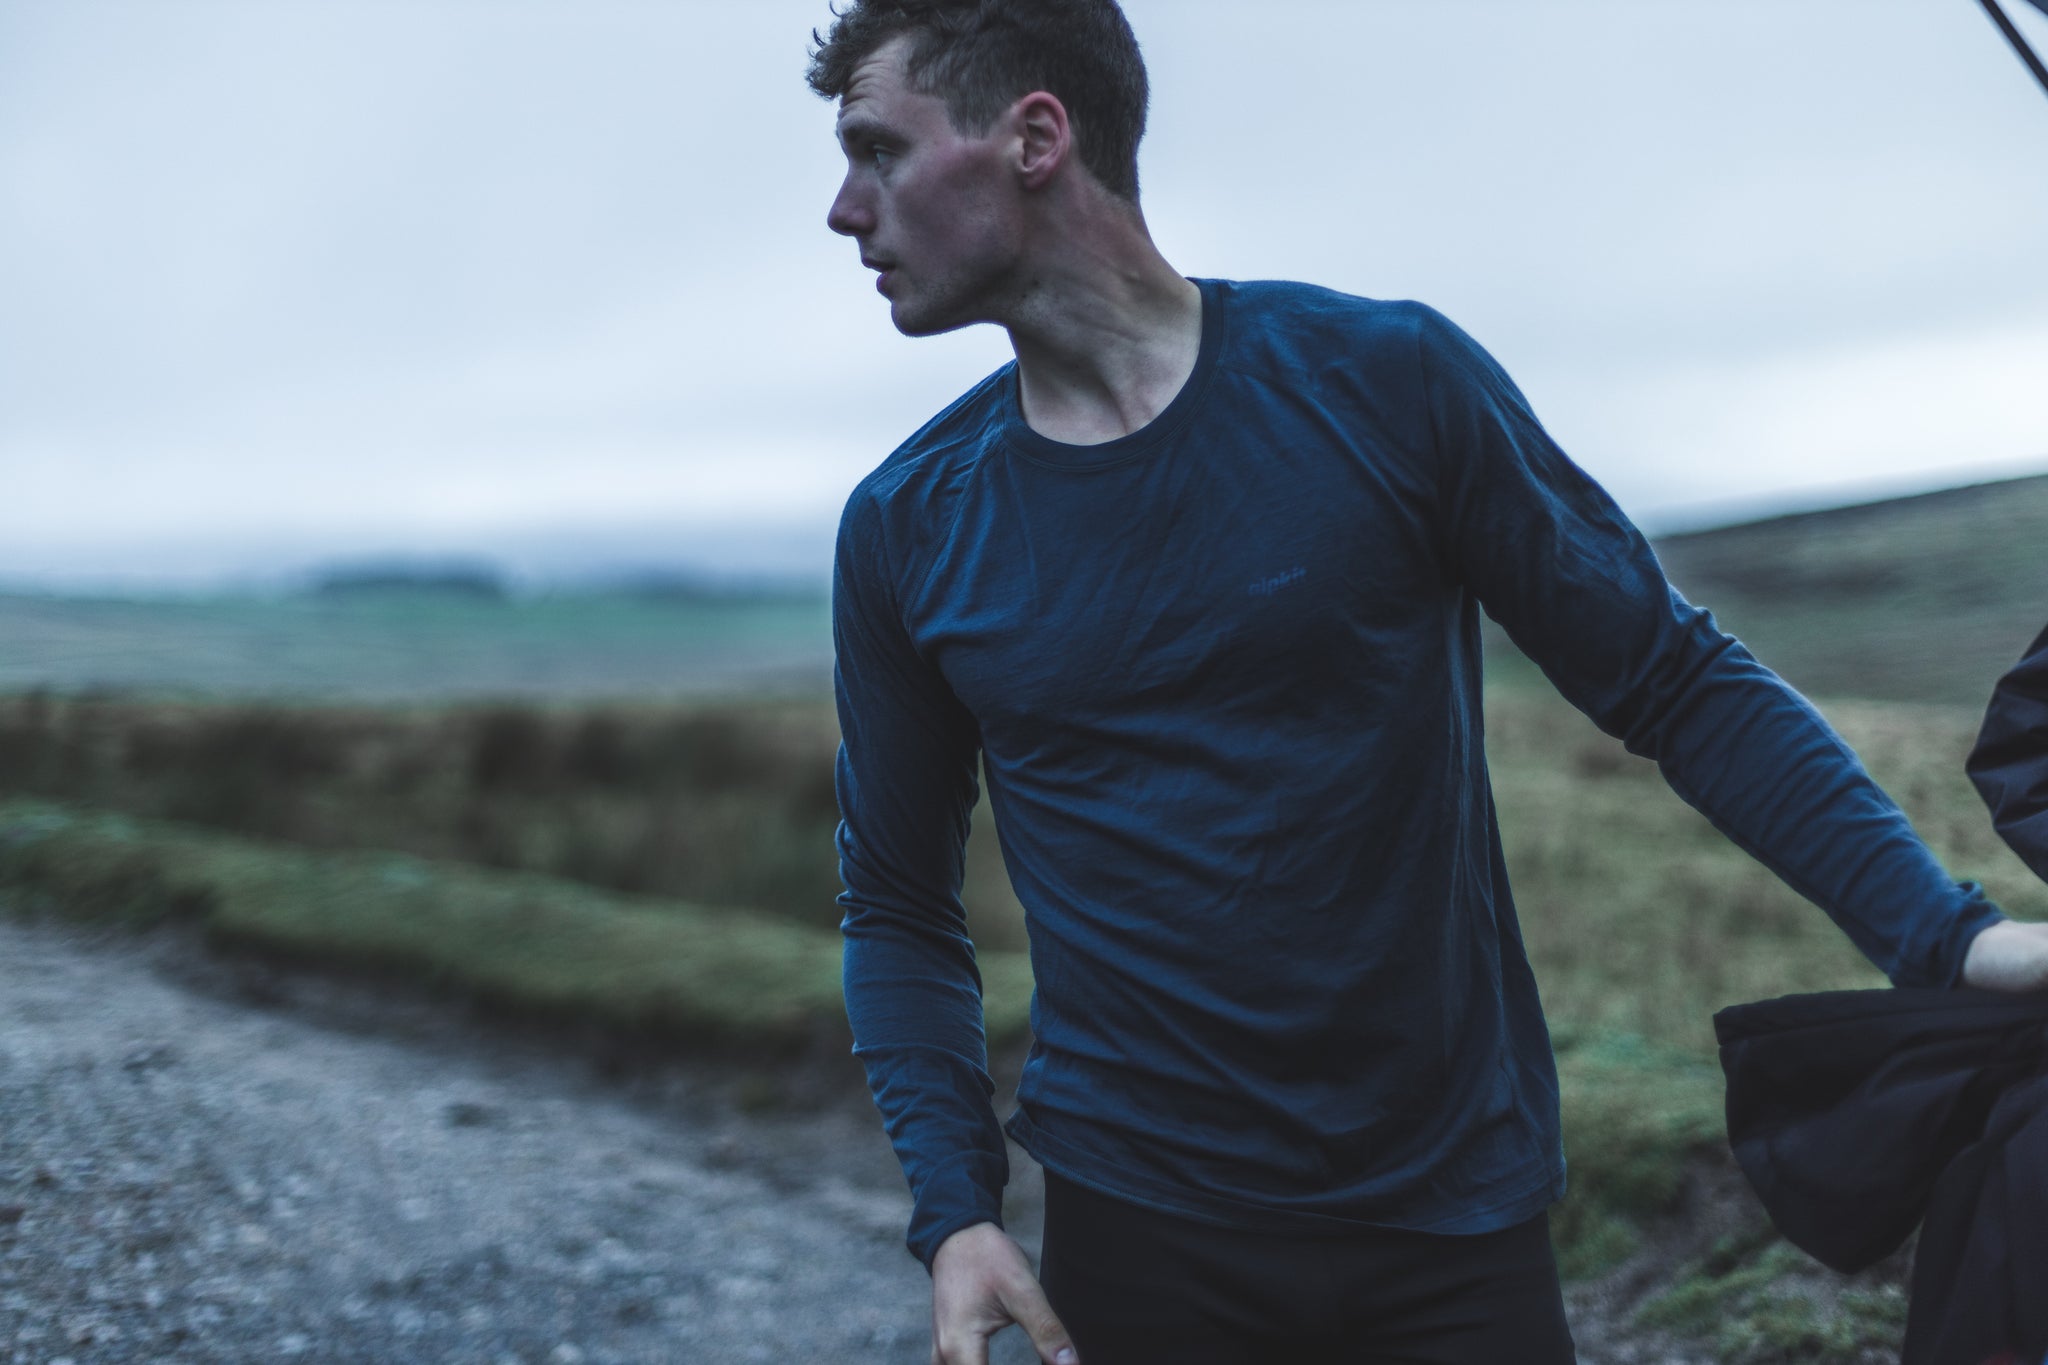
x=932, y=208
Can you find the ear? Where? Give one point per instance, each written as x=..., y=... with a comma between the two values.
x=1045, y=138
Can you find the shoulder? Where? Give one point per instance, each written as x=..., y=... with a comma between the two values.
x=1283, y=326
x=901, y=499
x=1397, y=359
x=957, y=436
x=1288, y=311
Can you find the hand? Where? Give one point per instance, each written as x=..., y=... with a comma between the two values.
x=981, y=1283
x=2008, y=957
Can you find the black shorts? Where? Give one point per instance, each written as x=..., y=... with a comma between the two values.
x=1137, y=1287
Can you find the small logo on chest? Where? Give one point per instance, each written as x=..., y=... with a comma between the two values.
x=1266, y=587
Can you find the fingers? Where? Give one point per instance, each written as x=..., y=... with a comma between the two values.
x=2009, y=956
x=963, y=1348
x=1047, y=1335
x=1029, y=1308
x=981, y=1283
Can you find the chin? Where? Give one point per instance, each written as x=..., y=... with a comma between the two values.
x=943, y=305
x=912, y=321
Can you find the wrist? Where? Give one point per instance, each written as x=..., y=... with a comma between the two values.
x=966, y=1239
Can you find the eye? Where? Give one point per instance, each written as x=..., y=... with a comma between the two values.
x=881, y=157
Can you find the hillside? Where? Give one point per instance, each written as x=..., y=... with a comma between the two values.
x=1926, y=598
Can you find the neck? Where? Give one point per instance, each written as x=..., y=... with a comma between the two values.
x=1106, y=335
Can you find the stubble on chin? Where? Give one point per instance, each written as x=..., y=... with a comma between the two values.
x=942, y=308
x=913, y=319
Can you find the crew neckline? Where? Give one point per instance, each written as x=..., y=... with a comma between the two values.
x=1045, y=450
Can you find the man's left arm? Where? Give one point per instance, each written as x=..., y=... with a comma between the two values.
x=1578, y=589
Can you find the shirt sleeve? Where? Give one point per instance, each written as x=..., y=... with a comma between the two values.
x=906, y=784
x=2010, y=763
x=1578, y=589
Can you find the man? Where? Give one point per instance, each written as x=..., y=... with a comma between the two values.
x=1197, y=581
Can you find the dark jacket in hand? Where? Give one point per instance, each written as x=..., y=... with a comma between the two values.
x=1857, y=1114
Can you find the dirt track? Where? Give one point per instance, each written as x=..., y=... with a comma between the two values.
x=213, y=1161
x=201, y=1162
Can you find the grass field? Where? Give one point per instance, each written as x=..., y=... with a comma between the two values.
x=522, y=803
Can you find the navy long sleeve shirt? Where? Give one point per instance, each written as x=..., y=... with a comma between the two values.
x=1223, y=677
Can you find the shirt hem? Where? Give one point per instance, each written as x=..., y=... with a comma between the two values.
x=1521, y=1203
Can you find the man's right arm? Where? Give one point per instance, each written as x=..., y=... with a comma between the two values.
x=906, y=783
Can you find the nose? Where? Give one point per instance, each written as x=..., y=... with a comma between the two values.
x=849, y=215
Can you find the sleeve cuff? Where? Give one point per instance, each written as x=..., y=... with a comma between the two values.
x=961, y=1193
x=1943, y=966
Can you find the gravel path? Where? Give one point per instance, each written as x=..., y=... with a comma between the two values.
x=215, y=1161
x=207, y=1162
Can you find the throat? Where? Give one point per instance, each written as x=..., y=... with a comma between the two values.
x=1094, y=394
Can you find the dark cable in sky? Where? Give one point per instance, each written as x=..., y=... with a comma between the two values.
x=2013, y=36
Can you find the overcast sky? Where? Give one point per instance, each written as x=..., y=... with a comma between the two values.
x=283, y=280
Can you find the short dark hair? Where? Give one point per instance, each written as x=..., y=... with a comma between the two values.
x=981, y=56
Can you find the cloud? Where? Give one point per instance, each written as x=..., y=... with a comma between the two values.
x=1890, y=414
x=447, y=269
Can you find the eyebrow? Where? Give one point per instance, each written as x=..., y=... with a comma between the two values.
x=859, y=127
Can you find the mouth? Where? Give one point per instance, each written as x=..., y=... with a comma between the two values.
x=883, y=268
